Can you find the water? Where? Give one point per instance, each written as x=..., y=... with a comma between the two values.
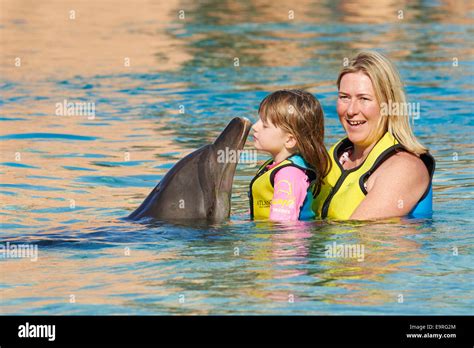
x=66, y=181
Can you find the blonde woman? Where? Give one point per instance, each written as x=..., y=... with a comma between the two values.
x=379, y=170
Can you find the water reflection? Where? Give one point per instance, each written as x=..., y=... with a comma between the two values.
x=67, y=180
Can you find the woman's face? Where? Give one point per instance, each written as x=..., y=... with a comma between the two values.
x=357, y=107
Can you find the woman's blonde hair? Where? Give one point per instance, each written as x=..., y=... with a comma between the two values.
x=300, y=114
x=388, y=89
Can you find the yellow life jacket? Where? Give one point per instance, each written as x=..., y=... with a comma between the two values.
x=343, y=190
x=261, y=188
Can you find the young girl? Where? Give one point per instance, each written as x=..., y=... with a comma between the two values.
x=291, y=130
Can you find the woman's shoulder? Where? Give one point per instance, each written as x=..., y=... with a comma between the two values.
x=407, y=166
x=403, y=173
x=406, y=158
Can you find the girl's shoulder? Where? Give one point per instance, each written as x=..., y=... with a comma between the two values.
x=292, y=174
x=292, y=170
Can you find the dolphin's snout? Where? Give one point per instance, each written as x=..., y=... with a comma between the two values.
x=235, y=134
x=246, y=120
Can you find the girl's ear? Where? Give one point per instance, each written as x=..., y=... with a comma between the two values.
x=290, y=142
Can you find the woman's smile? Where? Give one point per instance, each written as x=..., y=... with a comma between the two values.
x=355, y=124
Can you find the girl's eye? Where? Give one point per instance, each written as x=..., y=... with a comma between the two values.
x=364, y=98
x=343, y=97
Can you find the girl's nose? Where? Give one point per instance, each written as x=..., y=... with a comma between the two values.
x=255, y=126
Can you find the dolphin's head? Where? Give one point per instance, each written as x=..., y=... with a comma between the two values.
x=199, y=186
x=227, y=149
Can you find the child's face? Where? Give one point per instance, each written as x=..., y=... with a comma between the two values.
x=268, y=137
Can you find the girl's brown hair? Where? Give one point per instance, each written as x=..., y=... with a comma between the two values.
x=300, y=114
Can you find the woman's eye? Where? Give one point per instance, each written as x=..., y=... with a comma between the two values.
x=366, y=99
x=343, y=97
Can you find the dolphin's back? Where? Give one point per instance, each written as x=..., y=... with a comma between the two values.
x=187, y=191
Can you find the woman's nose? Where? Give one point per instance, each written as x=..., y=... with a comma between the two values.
x=353, y=108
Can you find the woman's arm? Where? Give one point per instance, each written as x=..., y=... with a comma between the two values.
x=399, y=184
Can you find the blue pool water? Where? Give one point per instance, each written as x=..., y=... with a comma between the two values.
x=67, y=181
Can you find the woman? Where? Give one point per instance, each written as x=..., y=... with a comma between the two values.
x=379, y=170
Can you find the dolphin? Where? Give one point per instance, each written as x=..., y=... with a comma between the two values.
x=199, y=186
